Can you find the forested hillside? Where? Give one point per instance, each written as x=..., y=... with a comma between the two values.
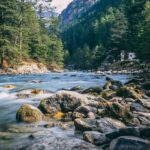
x=107, y=28
x=74, y=11
x=26, y=34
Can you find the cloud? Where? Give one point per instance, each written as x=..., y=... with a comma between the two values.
x=60, y=4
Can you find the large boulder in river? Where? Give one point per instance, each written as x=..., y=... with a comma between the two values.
x=29, y=113
x=65, y=101
x=129, y=143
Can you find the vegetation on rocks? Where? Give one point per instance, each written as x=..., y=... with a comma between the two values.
x=28, y=113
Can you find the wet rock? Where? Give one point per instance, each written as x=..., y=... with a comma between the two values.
x=130, y=92
x=29, y=113
x=35, y=81
x=85, y=124
x=135, y=106
x=76, y=88
x=127, y=131
x=146, y=86
x=93, y=90
x=108, y=94
x=95, y=138
x=76, y=115
x=129, y=143
x=86, y=109
x=108, y=124
x=107, y=85
x=118, y=111
x=9, y=86
x=102, y=125
x=30, y=93
x=63, y=101
x=47, y=106
x=91, y=115
x=109, y=78
x=145, y=132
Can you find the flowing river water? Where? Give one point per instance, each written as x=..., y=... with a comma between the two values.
x=13, y=133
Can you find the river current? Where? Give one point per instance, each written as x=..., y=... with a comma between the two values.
x=13, y=133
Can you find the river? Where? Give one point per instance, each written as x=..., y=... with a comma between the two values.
x=13, y=133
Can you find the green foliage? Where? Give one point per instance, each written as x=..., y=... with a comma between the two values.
x=107, y=28
x=24, y=35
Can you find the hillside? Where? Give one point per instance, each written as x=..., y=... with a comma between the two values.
x=106, y=29
x=74, y=11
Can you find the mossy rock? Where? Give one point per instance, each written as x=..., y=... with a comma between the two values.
x=46, y=107
x=28, y=113
x=130, y=92
x=93, y=90
x=117, y=111
x=107, y=85
x=108, y=94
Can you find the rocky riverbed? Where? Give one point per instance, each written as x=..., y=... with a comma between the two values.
x=94, y=113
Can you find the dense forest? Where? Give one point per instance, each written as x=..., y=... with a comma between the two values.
x=107, y=28
x=25, y=33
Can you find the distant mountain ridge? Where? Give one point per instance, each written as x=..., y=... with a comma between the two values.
x=74, y=11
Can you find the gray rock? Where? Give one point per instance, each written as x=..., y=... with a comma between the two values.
x=135, y=106
x=108, y=124
x=95, y=138
x=93, y=90
x=102, y=125
x=85, y=124
x=129, y=143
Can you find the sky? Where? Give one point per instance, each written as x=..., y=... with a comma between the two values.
x=60, y=4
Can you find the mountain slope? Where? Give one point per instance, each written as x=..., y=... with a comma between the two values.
x=74, y=11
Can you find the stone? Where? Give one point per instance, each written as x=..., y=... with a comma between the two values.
x=95, y=138
x=129, y=143
x=28, y=113
x=108, y=124
x=118, y=111
x=130, y=92
x=86, y=109
x=108, y=94
x=85, y=124
x=135, y=106
x=76, y=88
x=9, y=86
x=93, y=90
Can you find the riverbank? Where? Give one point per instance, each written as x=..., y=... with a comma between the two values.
x=30, y=67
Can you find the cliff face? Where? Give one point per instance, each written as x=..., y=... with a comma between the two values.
x=74, y=11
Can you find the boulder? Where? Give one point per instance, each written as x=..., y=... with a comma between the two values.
x=135, y=106
x=108, y=124
x=108, y=94
x=102, y=125
x=76, y=88
x=29, y=113
x=93, y=90
x=130, y=92
x=118, y=111
x=64, y=101
x=95, y=138
x=129, y=143
x=86, y=109
x=85, y=124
